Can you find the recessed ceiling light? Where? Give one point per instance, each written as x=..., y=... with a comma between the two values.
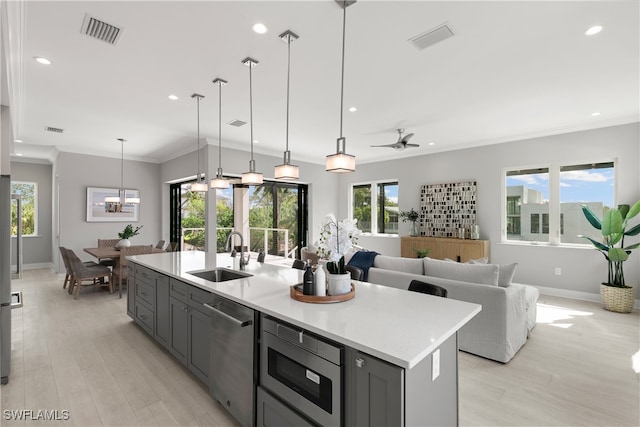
x=595, y=114
x=173, y=97
x=432, y=143
x=593, y=30
x=353, y=109
x=259, y=28
x=42, y=60
x=17, y=140
x=19, y=154
x=255, y=141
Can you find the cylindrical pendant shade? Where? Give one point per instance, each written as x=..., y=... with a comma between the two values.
x=287, y=171
x=219, y=183
x=252, y=178
x=112, y=199
x=132, y=200
x=340, y=162
x=199, y=186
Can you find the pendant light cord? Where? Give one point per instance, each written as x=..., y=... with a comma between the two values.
x=198, y=140
x=288, y=84
x=220, y=127
x=123, y=197
x=344, y=31
x=251, y=108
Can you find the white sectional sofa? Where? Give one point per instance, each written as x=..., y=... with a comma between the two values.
x=508, y=309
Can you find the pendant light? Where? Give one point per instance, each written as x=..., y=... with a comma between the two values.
x=219, y=182
x=286, y=170
x=122, y=198
x=199, y=185
x=341, y=161
x=252, y=177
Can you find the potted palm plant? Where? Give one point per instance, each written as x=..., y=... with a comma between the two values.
x=616, y=295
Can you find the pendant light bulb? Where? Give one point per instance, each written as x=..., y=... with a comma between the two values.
x=219, y=182
x=341, y=161
x=252, y=177
x=198, y=186
x=286, y=170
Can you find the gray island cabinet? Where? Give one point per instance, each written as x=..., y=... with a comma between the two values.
x=399, y=358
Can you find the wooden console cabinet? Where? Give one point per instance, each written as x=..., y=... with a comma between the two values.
x=460, y=250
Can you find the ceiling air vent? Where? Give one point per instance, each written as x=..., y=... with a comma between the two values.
x=237, y=123
x=431, y=37
x=52, y=129
x=100, y=30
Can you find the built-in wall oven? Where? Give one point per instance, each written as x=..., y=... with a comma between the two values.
x=303, y=370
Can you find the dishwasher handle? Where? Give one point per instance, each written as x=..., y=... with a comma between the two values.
x=241, y=323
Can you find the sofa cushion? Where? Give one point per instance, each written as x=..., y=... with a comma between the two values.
x=408, y=265
x=506, y=273
x=486, y=274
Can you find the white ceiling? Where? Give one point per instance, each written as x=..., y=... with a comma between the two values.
x=513, y=70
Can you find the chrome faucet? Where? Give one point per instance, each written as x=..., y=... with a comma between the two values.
x=227, y=247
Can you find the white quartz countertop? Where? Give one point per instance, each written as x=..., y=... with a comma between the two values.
x=398, y=326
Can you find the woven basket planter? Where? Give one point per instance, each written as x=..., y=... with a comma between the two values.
x=617, y=299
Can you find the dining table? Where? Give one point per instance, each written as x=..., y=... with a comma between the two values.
x=111, y=252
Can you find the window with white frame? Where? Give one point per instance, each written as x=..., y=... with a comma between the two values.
x=29, y=193
x=375, y=206
x=545, y=204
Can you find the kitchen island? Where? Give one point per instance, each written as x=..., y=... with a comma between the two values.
x=415, y=334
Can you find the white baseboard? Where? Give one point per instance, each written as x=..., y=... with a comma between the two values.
x=584, y=296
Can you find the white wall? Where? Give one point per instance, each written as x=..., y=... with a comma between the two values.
x=323, y=186
x=582, y=269
x=76, y=172
x=36, y=249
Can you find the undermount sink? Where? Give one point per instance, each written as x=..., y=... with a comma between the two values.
x=219, y=274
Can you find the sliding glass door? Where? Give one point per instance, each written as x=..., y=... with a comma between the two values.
x=272, y=217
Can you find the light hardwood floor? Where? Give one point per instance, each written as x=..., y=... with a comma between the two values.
x=87, y=356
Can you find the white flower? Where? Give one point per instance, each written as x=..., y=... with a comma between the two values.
x=337, y=238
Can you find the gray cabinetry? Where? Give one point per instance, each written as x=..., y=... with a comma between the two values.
x=162, y=330
x=374, y=391
x=273, y=413
x=190, y=327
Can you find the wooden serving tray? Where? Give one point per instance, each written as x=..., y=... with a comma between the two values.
x=297, y=295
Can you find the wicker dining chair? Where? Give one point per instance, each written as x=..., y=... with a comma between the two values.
x=82, y=274
x=68, y=277
x=107, y=243
x=121, y=269
x=160, y=244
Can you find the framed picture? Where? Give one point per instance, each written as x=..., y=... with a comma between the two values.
x=106, y=205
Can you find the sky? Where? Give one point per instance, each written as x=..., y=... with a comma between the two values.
x=589, y=185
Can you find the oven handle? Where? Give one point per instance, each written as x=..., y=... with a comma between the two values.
x=241, y=323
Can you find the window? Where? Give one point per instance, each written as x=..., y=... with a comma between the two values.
x=375, y=206
x=558, y=219
x=29, y=193
x=588, y=184
x=527, y=197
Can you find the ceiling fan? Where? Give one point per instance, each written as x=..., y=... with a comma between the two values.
x=402, y=142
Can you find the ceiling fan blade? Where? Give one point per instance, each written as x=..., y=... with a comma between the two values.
x=412, y=145
x=387, y=145
x=407, y=137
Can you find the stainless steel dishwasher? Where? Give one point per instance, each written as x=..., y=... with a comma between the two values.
x=233, y=358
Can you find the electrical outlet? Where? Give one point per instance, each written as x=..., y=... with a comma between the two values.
x=558, y=271
x=435, y=365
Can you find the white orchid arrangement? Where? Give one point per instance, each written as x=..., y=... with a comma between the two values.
x=336, y=239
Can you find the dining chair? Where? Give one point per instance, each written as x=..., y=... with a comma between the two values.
x=81, y=274
x=121, y=269
x=356, y=272
x=298, y=264
x=160, y=244
x=68, y=277
x=427, y=288
x=306, y=254
x=171, y=247
x=107, y=243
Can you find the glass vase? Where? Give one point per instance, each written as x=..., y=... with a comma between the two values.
x=413, y=229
